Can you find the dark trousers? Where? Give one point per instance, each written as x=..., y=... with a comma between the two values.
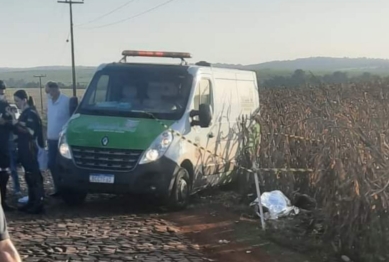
x=52, y=155
x=4, y=175
x=29, y=159
x=14, y=167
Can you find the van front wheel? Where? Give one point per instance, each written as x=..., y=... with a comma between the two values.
x=179, y=197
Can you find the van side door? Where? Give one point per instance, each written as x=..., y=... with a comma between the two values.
x=205, y=162
x=226, y=142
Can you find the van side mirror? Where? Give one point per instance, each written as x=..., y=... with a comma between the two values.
x=73, y=103
x=205, y=116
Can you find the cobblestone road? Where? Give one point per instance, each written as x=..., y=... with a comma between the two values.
x=105, y=228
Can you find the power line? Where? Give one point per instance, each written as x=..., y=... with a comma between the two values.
x=102, y=16
x=50, y=33
x=134, y=16
x=62, y=50
x=70, y=3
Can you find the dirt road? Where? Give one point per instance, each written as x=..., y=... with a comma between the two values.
x=104, y=229
x=119, y=228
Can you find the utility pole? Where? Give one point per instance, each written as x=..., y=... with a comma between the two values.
x=40, y=90
x=70, y=3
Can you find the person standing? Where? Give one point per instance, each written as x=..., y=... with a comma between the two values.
x=11, y=147
x=5, y=135
x=28, y=129
x=57, y=115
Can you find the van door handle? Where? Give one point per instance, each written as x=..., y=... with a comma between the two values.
x=210, y=135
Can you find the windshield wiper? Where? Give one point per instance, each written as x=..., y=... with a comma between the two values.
x=107, y=112
x=149, y=115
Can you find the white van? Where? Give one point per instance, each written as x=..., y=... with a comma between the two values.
x=120, y=140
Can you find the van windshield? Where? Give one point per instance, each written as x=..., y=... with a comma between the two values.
x=130, y=91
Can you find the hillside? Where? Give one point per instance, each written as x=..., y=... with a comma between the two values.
x=24, y=77
x=321, y=64
x=41, y=68
x=61, y=74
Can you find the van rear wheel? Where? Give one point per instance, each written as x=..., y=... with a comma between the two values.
x=179, y=197
x=72, y=197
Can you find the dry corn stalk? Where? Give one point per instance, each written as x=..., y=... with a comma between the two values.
x=351, y=183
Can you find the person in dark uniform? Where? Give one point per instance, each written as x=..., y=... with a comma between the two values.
x=28, y=129
x=4, y=147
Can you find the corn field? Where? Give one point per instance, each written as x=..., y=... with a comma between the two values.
x=348, y=149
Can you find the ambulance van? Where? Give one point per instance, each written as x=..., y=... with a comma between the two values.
x=164, y=130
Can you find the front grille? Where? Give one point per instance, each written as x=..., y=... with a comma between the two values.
x=106, y=158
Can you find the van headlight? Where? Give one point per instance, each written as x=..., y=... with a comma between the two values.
x=157, y=148
x=63, y=146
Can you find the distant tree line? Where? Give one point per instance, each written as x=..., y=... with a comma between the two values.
x=20, y=83
x=301, y=78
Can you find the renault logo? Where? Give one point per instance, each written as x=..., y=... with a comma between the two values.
x=104, y=141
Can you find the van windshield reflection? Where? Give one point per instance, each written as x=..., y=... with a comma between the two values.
x=163, y=93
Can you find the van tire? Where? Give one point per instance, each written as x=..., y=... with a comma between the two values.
x=179, y=196
x=73, y=198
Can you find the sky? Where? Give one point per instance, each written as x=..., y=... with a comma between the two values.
x=218, y=31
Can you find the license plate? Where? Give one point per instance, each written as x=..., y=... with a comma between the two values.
x=100, y=178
